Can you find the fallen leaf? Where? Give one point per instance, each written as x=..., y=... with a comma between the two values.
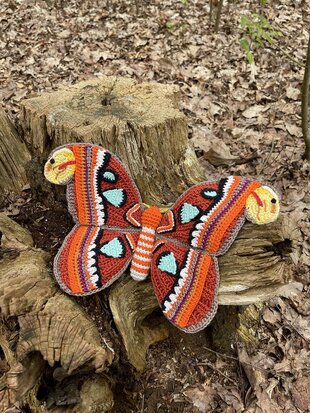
x=291, y=289
x=201, y=397
x=214, y=149
x=64, y=34
x=293, y=93
x=52, y=61
x=271, y=316
x=202, y=73
x=253, y=111
x=293, y=130
x=301, y=394
x=284, y=366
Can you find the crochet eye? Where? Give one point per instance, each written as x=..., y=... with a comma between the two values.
x=52, y=161
x=273, y=201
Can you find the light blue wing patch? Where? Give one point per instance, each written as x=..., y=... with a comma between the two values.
x=209, y=193
x=114, y=248
x=116, y=197
x=109, y=176
x=187, y=212
x=167, y=263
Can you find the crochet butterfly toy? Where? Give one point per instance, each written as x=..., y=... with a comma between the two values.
x=179, y=248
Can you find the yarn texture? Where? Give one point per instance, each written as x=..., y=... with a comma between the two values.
x=179, y=248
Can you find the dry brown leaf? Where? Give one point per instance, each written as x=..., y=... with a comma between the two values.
x=64, y=34
x=268, y=405
x=255, y=376
x=214, y=150
x=201, y=397
x=293, y=93
x=294, y=195
x=52, y=61
x=301, y=394
x=231, y=397
x=271, y=316
x=194, y=50
x=284, y=366
x=253, y=111
x=293, y=130
x=201, y=73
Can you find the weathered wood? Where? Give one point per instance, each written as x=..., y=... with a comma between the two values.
x=141, y=123
x=96, y=396
x=13, y=157
x=131, y=303
x=253, y=270
x=92, y=396
x=50, y=323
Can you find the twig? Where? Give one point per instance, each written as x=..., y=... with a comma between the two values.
x=221, y=354
x=236, y=359
x=280, y=49
x=205, y=363
x=305, y=103
x=267, y=158
x=295, y=329
x=211, y=10
x=297, y=62
x=218, y=15
x=142, y=404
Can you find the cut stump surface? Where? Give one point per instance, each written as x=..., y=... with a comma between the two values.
x=140, y=123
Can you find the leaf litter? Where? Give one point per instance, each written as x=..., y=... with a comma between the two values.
x=235, y=112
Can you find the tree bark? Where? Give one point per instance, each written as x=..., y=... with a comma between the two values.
x=13, y=157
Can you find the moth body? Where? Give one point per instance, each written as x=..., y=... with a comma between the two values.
x=142, y=257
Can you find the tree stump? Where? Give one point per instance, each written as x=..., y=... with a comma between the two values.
x=141, y=124
x=52, y=326
x=13, y=157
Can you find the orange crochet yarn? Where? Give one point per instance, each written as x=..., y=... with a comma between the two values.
x=179, y=248
x=142, y=257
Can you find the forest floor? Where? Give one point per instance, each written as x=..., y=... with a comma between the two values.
x=235, y=112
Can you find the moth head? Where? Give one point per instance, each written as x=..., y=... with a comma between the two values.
x=60, y=167
x=262, y=206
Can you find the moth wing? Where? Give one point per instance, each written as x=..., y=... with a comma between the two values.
x=208, y=216
x=102, y=191
x=91, y=258
x=186, y=283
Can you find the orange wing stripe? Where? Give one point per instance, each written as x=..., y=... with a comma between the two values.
x=196, y=291
x=206, y=223
x=73, y=270
x=227, y=220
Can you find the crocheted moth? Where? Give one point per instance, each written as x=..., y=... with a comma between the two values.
x=179, y=248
